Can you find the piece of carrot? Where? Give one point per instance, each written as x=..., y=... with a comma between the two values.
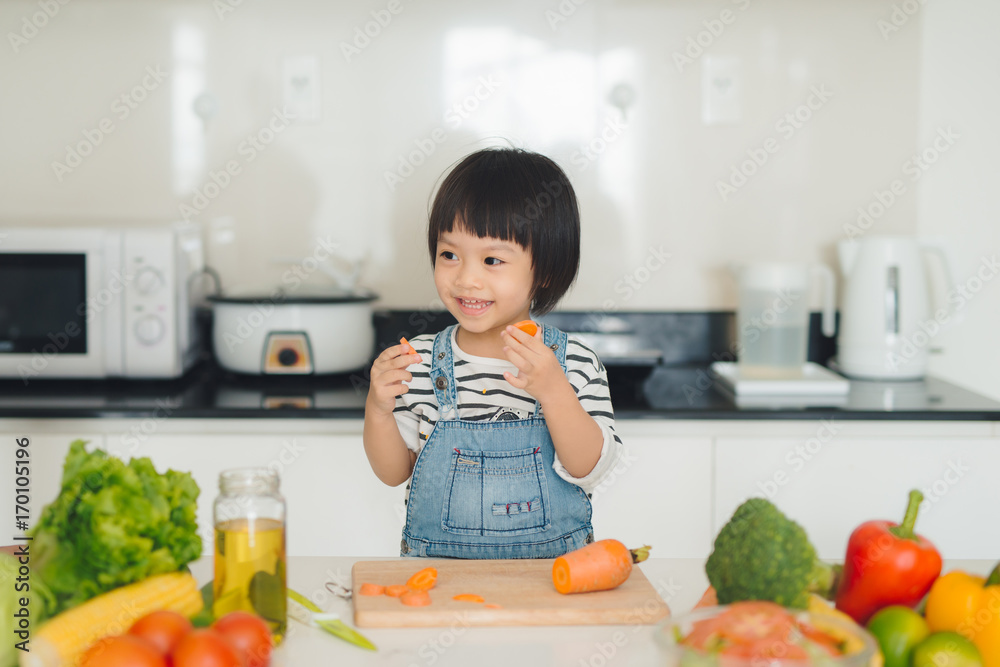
x=407, y=348
x=492, y=606
x=423, y=580
x=469, y=597
x=599, y=566
x=396, y=590
x=416, y=598
x=708, y=599
x=528, y=327
x=371, y=589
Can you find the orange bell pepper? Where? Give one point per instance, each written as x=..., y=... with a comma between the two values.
x=960, y=602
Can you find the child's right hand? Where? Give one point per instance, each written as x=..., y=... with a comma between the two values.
x=388, y=375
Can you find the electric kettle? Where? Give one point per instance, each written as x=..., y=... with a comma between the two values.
x=886, y=327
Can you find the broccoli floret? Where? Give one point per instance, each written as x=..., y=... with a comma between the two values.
x=763, y=555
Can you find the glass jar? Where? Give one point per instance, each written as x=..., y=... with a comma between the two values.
x=250, y=564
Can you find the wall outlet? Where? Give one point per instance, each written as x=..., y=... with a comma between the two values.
x=301, y=88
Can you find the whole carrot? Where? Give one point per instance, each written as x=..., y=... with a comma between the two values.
x=599, y=566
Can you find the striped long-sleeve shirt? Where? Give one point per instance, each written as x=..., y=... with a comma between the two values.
x=484, y=395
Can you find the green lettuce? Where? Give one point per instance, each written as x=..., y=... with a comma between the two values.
x=112, y=524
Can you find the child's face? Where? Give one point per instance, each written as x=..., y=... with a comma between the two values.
x=484, y=282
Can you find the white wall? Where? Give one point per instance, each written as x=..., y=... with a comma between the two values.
x=958, y=195
x=653, y=184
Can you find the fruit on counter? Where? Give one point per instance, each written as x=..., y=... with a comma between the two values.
x=898, y=630
x=528, y=327
x=63, y=638
x=162, y=628
x=946, y=649
x=887, y=564
x=111, y=525
x=761, y=554
x=206, y=648
x=249, y=634
x=761, y=631
x=123, y=651
x=598, y=566
x=969, y=605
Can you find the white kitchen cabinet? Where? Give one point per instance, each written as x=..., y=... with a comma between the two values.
x=660, y=494
x=832, y=485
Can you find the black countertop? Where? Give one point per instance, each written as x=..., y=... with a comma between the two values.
x=669, y=392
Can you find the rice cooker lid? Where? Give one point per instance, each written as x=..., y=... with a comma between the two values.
x=297, y=297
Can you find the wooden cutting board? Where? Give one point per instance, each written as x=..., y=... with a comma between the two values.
x=522, y=588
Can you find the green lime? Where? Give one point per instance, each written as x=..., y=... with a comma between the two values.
x=898, y=630
x=946, y=649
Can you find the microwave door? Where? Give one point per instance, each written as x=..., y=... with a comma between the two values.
x=46, y=329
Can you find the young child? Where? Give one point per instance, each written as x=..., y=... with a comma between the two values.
x=503, y=433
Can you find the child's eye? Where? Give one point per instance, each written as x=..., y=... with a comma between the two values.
x=447, y=254
x=493, y=261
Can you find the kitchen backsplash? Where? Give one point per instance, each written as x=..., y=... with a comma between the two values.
x=174, y=107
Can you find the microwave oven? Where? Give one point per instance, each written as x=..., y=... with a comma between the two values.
x=85, y=301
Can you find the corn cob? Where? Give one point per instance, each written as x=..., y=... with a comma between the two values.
x=61, y=640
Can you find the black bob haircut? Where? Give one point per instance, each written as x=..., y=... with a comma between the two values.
x=520, y=196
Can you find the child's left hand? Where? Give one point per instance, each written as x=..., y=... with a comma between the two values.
x=538, y=370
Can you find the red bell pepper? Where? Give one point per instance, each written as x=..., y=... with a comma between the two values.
x=887, y=564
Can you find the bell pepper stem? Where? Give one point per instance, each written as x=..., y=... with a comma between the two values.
x=905, y=529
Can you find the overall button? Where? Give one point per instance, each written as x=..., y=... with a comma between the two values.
x=440, y=355
x=441, y=382
x=590, y=538
x=404, y=547
x=554, y=346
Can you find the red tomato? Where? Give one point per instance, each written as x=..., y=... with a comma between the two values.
x=249, y=634
x=163, y=629
x=206, y=648
x=750, y=621
x=122, y=651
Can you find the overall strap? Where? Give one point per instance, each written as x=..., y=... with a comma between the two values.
x=443, y=375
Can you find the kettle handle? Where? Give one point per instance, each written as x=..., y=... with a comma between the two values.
x=937, y=248
x=829, y=324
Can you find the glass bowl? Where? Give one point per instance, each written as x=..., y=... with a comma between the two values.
x=861, y=650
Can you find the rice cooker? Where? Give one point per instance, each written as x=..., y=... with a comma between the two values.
x=301, y=334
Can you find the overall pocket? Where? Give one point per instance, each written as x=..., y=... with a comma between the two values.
x=496, y=493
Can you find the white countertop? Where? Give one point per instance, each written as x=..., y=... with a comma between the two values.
x=680, y=582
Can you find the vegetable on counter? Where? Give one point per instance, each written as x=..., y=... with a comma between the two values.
x=599, y=566
x=63, y=638
x=969, y=605
x=423, y=580
x=761, y=554
x=111, y=525
x=887, y=564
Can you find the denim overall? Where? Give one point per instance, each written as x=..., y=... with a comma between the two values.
x=487, y=489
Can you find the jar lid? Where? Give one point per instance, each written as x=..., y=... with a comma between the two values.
x=249, y=480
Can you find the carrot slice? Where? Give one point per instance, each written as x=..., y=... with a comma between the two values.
x=423, y=580
x=371, y=589
x=528, y=327
x=396, y=590
x=708, y=599
x=416, y=598
x=408, y=349
x=469, y=597
x=599, y=566
x=492, y=606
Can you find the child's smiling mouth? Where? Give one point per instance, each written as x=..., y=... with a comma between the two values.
x=473, y=307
